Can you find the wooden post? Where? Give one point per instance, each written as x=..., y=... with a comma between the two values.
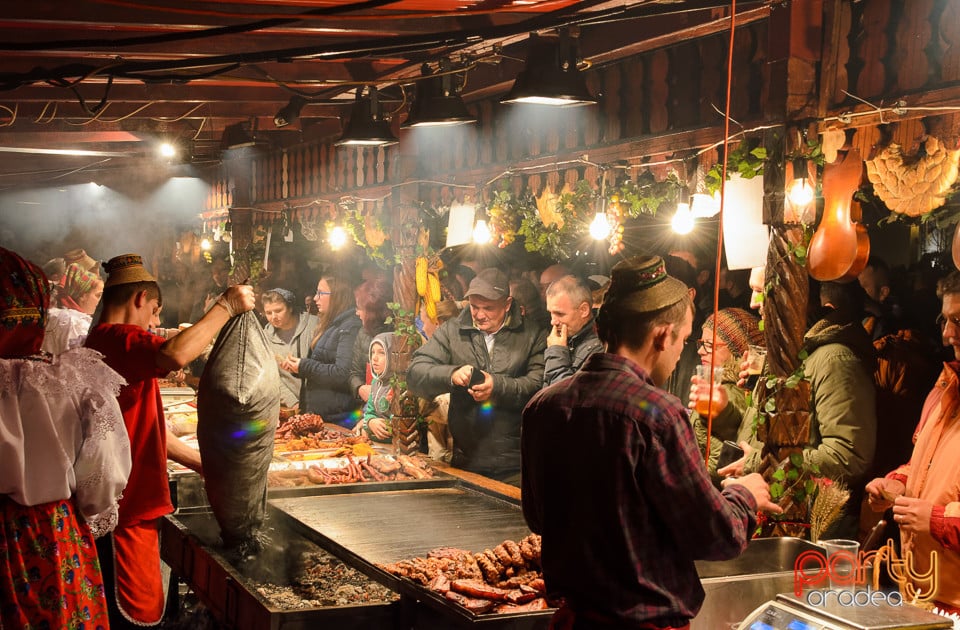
x=794, y=48
x=407, y=238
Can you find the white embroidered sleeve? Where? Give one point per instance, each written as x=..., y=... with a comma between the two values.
x=103, y=463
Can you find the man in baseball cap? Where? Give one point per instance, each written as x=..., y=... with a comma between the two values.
x=490, y=360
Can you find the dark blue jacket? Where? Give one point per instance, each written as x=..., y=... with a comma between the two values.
x=326, y=372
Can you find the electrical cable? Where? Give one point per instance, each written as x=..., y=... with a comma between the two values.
x=13, y=114
x=40, y=117
x=723, y=180
x=396, y=45
x=166, y=38
x=380, y=17
x=96, y=109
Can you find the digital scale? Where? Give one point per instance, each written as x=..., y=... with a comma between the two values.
x=787, y=612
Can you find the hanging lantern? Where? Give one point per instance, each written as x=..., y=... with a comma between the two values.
x=800, y=201
x=745, y=237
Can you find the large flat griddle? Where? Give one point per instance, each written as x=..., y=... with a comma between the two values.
x=373, y=528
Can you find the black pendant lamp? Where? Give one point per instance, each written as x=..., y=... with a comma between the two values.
x=437, y=102
x=367, y=126
x=551, y=76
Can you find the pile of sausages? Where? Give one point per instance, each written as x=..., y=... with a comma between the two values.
x=370, y=468
x=505, y=579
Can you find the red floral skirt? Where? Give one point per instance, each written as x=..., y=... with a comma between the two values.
x=49, y=571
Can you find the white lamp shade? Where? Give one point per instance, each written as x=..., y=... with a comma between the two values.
x=460, y=224
x=704, y=206
x=745, y=237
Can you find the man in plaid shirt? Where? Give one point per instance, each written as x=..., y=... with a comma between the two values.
x=612, y=477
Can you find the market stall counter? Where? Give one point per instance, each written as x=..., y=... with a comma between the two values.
x=365, y=526
x=435, y=546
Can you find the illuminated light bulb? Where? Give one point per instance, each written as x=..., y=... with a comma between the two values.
x=338, y=237
x=801, y=192
x=167, y=150
x=600, y=226
x=682, y=222
x=481, y=233
x=205, y=244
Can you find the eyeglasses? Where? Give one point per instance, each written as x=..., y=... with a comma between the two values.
x=708, y=346
x=322, y=293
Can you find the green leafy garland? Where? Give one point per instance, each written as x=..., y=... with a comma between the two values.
x=746, y=159
x=382, y=255
x=512, y=215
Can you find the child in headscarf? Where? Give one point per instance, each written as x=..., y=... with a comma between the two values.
x=376, y=411
x=64, y=461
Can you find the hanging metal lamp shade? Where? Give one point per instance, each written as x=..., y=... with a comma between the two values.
x=551, y=76
x=437, y=103
x=367, y=127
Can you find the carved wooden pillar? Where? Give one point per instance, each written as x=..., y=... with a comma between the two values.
x=406, y=239
x=792, y=96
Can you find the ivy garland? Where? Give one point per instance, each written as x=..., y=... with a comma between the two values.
x=746, y=159
x=382, y=252
x=572, y=211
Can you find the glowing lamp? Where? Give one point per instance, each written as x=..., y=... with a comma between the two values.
x=682, y=222
x=600, y=226
x=481, y=233
x=337, y=237
x=799, y=206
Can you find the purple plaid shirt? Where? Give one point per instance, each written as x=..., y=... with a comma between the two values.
x=615, y=484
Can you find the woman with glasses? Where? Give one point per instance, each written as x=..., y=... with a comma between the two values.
x=325, y=373
x=736, y=329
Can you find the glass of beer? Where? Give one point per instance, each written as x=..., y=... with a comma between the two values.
x=756, y=357
x=704, y=392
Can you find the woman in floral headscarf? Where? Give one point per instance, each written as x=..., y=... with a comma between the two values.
x=79, y=295
x=64, y=460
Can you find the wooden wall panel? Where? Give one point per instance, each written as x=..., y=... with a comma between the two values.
x=684, y=86
x=712, y=89
x=658, y=91
x=633, y=103
x=873, y=48
x=948, y=32
x=911, y=67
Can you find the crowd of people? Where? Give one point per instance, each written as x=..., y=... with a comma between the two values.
x=519, y=374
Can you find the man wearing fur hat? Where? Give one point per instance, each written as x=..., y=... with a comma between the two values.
x=609, y=456
x=130, y=558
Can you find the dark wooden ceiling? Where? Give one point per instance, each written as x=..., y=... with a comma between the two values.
x=112, y=78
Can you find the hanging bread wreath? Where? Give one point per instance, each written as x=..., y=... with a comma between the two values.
x=917, y=187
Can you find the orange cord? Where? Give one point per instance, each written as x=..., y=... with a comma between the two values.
x=723, y=181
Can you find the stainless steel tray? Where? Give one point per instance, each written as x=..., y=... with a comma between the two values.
x=390, y=525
